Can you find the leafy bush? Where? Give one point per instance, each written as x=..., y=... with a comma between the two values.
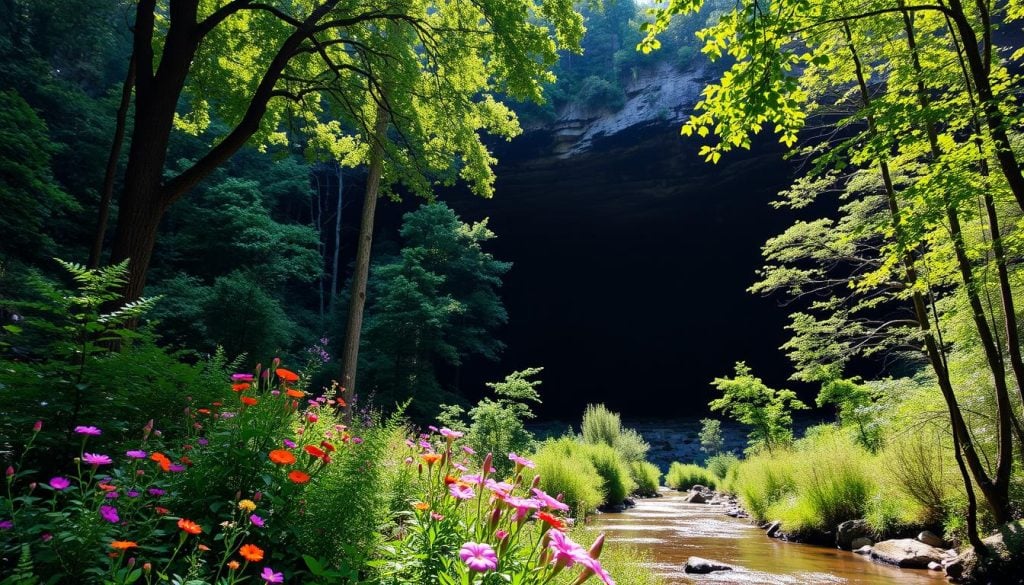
x=683, y=476
x=604, y=427
x=565, y=469
x=768, y=412
x=617, y=481
x=711, y=440
x=646, y=476
x=599, y=93
x=720, y=465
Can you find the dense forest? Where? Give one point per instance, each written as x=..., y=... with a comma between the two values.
x=232, y=251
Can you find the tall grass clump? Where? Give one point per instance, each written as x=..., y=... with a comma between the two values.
x=646, y=476
x=565, y=469
x=762, y=481
x=683, y=476
x=601, y=425
x=617, y=482
x=720, y=465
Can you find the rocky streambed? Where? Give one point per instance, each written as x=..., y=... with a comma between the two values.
x=675, y=530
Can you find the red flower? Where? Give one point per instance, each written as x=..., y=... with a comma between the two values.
x=327, y=446
x=296, y=476
x=286, y=375
x=240, y=387
x=551, y=520
x=249, y=401
x=314, y=451
x=161, y=510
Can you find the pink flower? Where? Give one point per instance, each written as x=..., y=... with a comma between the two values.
x=564, y=551
x=270, y=576
x=469, y=450
x=38, y=426
x=521, y=460
x=109, y=513
x=90, y=431
x=241, y=377
x=478, y=557
x=499, y=487
x=479, y=480
x=136, y=454
x=450, y=434
x=59, y=483
x=257, y=521
x=96, y=459
x=549, y=501
x=437, y=517
x=461, y=493
x=501, y=534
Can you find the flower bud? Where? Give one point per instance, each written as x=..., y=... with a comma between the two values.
x=495, y=518
x=536, y=482
x=146, y=430
x=147, y=567
x=486, y=470
x=10, y=470
x=595, y=549
x=257, y=496
x=131, y=562
x=38, y=426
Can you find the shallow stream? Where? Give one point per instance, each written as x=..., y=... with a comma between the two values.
x=673, y=530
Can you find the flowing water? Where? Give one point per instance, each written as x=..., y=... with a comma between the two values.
x=672, y=530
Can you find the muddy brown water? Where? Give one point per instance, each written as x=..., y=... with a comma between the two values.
x=673, y=530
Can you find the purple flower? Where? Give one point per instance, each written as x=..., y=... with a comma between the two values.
x=498, y=487
x=132, y=493
x=477, y=479
x=469, y=450
x=478, y=557
x=6, y=524
x=548, y=501
x=90, y=431
x=156, y=492
x=241, y=377
x=111, y=495
x=257, y=521
x=521, y=460
x=109, y=514
x=450, y=434
x=46, y=537
x=202, y=441
x=357, y=440
x=461, y=493
x=136, y=454
x=432, y=428
x=270, y=576
x=59, y=483
x=96, y=459
x=176, y=468
x=289, y=444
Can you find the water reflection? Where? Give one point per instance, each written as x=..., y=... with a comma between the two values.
x=673, y=531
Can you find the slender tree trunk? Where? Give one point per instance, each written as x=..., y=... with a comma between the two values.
x=337, y=239
x=107, y=191
x=996, y=495
x=350, y=349
x=979, y=68
x=994, y=358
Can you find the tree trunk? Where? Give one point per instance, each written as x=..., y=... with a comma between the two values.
x=996, y=495
x=107, y=192
x=350, y=349
x=337, y=239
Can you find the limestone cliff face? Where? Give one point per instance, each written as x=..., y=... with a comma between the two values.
x=661, y=95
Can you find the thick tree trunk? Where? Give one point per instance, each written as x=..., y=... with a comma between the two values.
x=350, y=349
x=107, y=191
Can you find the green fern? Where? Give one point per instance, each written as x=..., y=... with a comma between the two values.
x=24, y=573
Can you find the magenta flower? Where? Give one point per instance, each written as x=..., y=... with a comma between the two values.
x=450, y=434
x=257, y=521
x=521, y=460
x=38, y=426
x=132, y=493
x=289, y=444
x=109, y=513
x=176, y=468
x=136, y=454
x=241, y=377
x=498, y=487
x=501, y=534
x=477, y=479
x=270, y=576
x=461, y=493
x=90, y=431
x=549, y=502
x=202, y=442
x=432, y=428
x=96, y=459
x=469, y=450
x=156, y=492
x=595, y=566
x=6, y=524
x=357, y=440
x=59, y=483
x=564, y=551
x=478, y=557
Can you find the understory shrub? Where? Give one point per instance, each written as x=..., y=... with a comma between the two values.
x=720, y=465
x=617, y=482
x=565, y=468
x=762, y=481
x=646, y=476
x=683, y=476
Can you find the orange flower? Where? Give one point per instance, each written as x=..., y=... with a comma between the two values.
x=449, y=480
x=286, y=375
x=189, y=526
x=123, y=544
x=282, y=457
x=233, y=565
x=341, y=402
x=161, y=459
x=421, y=506
x=293, y=393
x=297, y=476
x=251, y=553
x=204, y=548
x=431, y=458
x=106, y=486
x=551, y=520
x=203, y=411
x=249, y=401
x=241, y=386
x=315, y=451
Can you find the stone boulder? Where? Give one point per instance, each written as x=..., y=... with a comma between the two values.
x=774, y=529
x=864, y=550
x=849, y=531
x=931, y=539
x=861, y=542
x=907, y=553
x=695, y=497
x=703, y=566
